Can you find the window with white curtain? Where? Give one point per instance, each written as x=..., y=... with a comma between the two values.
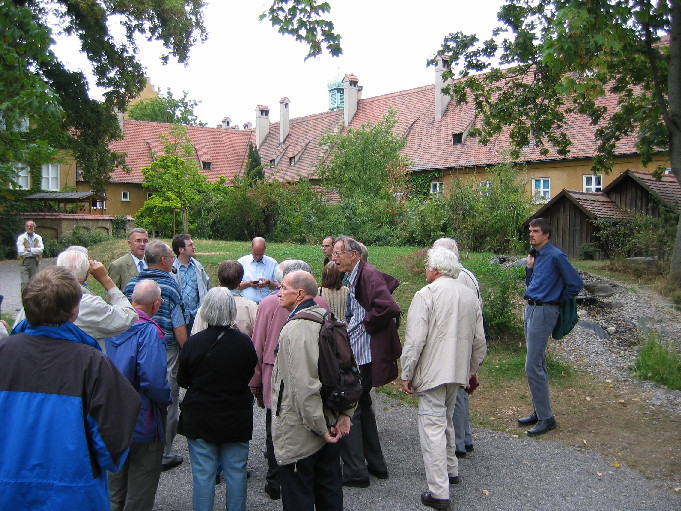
x=50, y=177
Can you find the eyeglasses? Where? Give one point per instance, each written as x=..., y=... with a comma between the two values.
x=326, y=246
x=338, y=254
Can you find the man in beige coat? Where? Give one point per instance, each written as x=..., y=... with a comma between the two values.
x=445, y=345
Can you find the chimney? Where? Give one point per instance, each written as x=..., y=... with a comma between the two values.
x=226, y=122
x=262, y=124
x=119, y=117
x=248, y=125
x=352, y=94
x=283, y=119
x=441, y=100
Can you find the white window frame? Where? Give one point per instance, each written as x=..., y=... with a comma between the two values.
x=50, y=177
x=22, y=176
x=149, y=194
x=541, y=189
x=437, y=187
x=100, y=204
x=125, y=196
x=592, y=182
x=485, y=185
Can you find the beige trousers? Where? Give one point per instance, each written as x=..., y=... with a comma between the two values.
x=436, y=433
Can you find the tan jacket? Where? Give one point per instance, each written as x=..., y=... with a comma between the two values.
x=445, y=341
x=122, y=270
x=299, y=420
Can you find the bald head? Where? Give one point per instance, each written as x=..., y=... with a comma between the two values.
x=258, y=248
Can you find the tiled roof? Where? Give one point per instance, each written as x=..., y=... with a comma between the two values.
x=225, y=149
x=667, y=188
x=594, y=205
x=302, y=144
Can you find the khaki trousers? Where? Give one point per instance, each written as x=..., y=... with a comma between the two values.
x=436, y=433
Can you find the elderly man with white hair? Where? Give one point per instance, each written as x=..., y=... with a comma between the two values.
x=461, y=418
x=96, y=317
x=444, y=346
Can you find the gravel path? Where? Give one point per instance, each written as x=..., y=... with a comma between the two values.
x=505, y=472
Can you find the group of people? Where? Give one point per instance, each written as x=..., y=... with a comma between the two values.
x=109, y=371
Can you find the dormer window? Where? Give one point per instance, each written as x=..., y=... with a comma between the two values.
x=206, y=165
x=457, y=138
x=292, y=160
x=272, y=163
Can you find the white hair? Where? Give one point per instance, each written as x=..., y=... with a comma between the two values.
x=146, y=292
x=219, y=307
x=444, y=261
x=76, y=261
x=449, y=244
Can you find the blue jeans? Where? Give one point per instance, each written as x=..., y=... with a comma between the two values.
x=205, y=457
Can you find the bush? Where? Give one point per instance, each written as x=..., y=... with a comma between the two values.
x=658, y=363
x=79, y=236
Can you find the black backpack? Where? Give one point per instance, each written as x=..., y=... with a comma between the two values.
x=338, y=371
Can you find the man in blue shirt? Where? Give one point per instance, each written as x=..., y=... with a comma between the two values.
x=258, y=280
x=551, y=280
x=190, y=277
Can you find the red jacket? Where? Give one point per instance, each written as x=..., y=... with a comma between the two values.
x=373, y=292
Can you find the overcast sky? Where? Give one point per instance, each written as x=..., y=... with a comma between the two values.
x=245, y=63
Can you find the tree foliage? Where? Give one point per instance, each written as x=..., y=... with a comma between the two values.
x=174, y=179
x=36, y=86
x=254, y=167
x=559, y=57
x=166, y=108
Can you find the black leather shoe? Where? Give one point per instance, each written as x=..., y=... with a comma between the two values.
x=542, y=427
x=454, y=479
x=460, y=454
x=469, y=448
x=272, y=492
x=428, y=500
x=529, y=420
x=378, y=474
x=357, y=483
x=172, y=461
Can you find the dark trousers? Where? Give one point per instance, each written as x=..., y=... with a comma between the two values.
x=313, y=483
x=361, y=448
x=272, y=476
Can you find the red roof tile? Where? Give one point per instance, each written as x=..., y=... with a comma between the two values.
x=225, y=149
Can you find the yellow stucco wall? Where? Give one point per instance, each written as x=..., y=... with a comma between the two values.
x=563, y=174
x=114, y=192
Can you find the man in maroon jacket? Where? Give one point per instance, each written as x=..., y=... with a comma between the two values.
x=373, y=337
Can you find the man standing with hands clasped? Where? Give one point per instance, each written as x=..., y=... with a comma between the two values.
x=305, y=433
x=29, y=252
x=551, y=280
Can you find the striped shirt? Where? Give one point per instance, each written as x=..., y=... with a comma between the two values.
x=360, y=340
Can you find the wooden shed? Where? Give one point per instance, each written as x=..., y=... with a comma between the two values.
x=634, y=192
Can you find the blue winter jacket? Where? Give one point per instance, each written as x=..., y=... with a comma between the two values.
x=139, y=353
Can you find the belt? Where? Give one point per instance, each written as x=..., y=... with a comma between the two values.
x=540, y=303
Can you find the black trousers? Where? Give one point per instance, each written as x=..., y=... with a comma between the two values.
x=272, y=476
x=313, y=483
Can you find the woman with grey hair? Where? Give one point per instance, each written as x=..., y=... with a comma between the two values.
x=216, y=365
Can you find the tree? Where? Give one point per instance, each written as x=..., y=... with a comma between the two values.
x=254, y=168
x=36, y=86
x=173, y=177
x=560, y=57
x=166, y=109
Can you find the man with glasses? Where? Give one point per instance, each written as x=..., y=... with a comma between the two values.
x=258, y=280
x=327, y=248
x=170, y=317
x=374, y=341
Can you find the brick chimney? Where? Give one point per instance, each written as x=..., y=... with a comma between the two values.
x=441, y=100
x=226, y=123
x=352, y=93
x=262, y=124
x=283, y=119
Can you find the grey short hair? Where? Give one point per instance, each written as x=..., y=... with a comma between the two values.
x=449, y=244
x=350, y=244
x=146, y=292
x=76, y=261
x=137, y=230
x=295, y=265
x=154, y=251
x=363, y=252
x=279, y=270
x=444, y=261
x=219, y=307
x=301, y=279
x=79, y=248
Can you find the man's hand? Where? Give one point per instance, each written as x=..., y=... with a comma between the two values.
x=98, y=271
x=257, y=394
x=338, y=431
x=472, y=384
x=530, y=261
x=406, y=387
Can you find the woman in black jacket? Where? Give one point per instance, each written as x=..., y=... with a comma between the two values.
x=216, y=365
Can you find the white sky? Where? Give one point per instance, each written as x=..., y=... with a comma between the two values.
x=245, y=63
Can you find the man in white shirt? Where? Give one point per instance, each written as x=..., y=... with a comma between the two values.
x=258, y=280
x=29, y=252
